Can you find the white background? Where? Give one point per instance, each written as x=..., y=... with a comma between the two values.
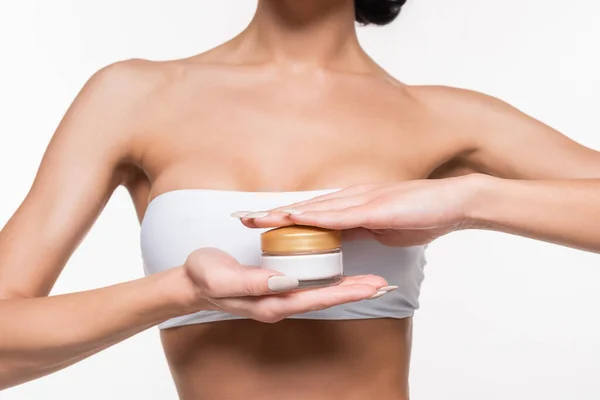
x=502, y=317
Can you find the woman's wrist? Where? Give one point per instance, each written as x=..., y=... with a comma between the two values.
x=180, y=295
x=480, y=193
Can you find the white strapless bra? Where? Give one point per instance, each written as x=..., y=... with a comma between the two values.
x=178, y=222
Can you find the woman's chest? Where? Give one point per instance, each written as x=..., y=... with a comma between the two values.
x=260, y=144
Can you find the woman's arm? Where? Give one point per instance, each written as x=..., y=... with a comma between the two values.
x=565, y=212
x=44, y=335
x=416, y=212
x=505, y=142
x=81, y=168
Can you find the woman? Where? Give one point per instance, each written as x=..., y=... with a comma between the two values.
x=287, y=110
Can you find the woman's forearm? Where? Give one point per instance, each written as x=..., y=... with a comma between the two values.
x=42, y=335
x=561, y=212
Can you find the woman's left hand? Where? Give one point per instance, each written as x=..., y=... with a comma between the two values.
x=401, y=214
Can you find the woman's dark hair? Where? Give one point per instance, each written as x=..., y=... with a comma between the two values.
x=378, y=12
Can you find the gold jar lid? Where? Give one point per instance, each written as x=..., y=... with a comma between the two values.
x=300, y=239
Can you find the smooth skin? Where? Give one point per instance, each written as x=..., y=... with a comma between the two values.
x=247, y=115
x=565, y=212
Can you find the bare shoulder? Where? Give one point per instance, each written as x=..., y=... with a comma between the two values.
x=459, y=103
x=503, y=141
x=475, y=116
x=127, y=82
x=136, y=83
x=110, y=111
x=119, y=98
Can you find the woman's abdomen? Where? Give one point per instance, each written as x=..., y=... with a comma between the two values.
x=292, y=359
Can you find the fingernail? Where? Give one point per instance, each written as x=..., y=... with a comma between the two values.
x=259, y=214
x=292, y=211
x=377, y=295
x=240, y=214
x=282, y=283
x=388, y=289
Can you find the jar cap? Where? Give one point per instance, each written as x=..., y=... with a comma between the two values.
x=300, y=239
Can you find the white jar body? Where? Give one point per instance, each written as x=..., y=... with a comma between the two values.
x=316, y=269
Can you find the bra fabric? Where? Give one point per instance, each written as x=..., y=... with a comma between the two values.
x=178, y=222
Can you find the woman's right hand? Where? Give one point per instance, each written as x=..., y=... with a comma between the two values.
x=221, y=283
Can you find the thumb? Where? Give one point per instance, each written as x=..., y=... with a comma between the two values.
x=251, y=281
x=218, y=274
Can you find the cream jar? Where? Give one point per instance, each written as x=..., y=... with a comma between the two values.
x=311, y=255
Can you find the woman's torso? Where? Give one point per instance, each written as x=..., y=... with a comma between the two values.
x=260, y=129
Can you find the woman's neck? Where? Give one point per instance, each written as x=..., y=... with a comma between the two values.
x=304, y=34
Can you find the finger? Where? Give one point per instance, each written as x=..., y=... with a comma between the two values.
x=275, y=308
x=250, y=221
x=298, y=302
x=250, y=281
x=339, y=193
x=277, y=217
x=341, y=199
x=278, y=307
x=320, y=299
x=282, y=217
x=373, y=280
x=337, y=203
x=348, y=218
x=349, y=191
x=274, y=219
